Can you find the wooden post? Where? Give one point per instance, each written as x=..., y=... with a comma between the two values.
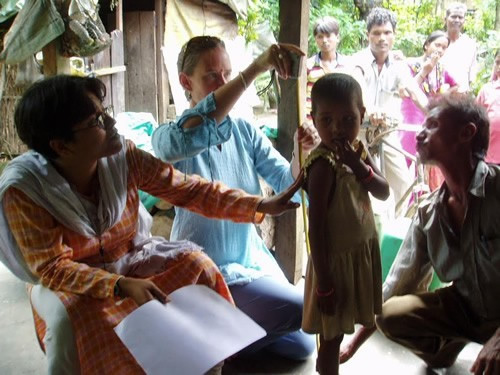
x=162, y=77
x=119, y=15
x=53, y=62
x=140, y=55
x=289, y=232
x=118, y=79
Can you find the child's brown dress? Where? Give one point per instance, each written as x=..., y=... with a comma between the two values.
x=354, y=259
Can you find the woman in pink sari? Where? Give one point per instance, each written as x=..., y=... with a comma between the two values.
x=489, y=98
x=433, y=80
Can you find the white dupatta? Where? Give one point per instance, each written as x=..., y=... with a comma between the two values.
x=35, y=176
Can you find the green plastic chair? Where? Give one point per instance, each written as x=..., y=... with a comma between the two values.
x=392, y=235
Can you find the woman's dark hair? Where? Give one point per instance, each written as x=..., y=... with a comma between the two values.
x=433, y=36
x=336, y=86
x=380, y=16
x=192, y=50
x=326, y=25
x=460, y=109
x=50, y=108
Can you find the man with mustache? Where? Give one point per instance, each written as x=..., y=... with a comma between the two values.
x=384, y=77
x=460, y=56
x=456, y=232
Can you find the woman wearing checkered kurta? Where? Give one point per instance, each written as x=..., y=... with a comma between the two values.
x=79, y=266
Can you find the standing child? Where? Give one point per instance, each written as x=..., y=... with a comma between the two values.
x=343, y=279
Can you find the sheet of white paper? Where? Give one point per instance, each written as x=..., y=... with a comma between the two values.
x=189, y=335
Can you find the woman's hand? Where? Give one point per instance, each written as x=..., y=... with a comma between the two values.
x=278, y=57
x=140, y=290
x=307, y=137
x=429, y=64
x=277, y=204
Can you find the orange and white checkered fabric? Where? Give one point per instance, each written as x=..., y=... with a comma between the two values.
x=59, y=256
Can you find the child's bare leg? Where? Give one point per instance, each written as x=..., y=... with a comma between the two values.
x=328, y=355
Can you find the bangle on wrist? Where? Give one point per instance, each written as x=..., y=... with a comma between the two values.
x=368, y=177
x=117, y=290
x=320, y=293
x=243, y=80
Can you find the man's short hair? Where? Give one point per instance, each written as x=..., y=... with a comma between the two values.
x=326, y=25
x=454, y=6
x=461, y=109
x=380, y=16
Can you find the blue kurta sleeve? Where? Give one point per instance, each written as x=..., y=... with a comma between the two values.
x=269, y=163
x=172, y=143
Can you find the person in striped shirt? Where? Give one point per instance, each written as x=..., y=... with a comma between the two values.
x=327, y=60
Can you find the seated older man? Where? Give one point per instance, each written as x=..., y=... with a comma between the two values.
x=457, y=232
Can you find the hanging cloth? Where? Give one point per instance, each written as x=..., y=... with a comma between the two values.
x=37, y=24
x=85, y=34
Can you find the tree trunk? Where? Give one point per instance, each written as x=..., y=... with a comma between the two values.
x=365, y=7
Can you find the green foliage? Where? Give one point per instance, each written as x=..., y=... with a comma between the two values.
x=416, y=20
x=352, y=30
x=486, y=58
x=259, y=11
x=481, y=20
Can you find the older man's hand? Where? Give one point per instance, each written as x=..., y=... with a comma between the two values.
x=488, y=360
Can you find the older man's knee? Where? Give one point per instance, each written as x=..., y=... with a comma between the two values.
x=394, y=314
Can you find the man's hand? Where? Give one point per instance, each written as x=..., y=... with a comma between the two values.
x=140, y=290
x=277, y=204
x=378, y=118
x=488, y=360
x=348, y=350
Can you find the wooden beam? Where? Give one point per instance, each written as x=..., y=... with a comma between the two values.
x=289, y=232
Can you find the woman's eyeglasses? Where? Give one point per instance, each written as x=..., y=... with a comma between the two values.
x=100, y=120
